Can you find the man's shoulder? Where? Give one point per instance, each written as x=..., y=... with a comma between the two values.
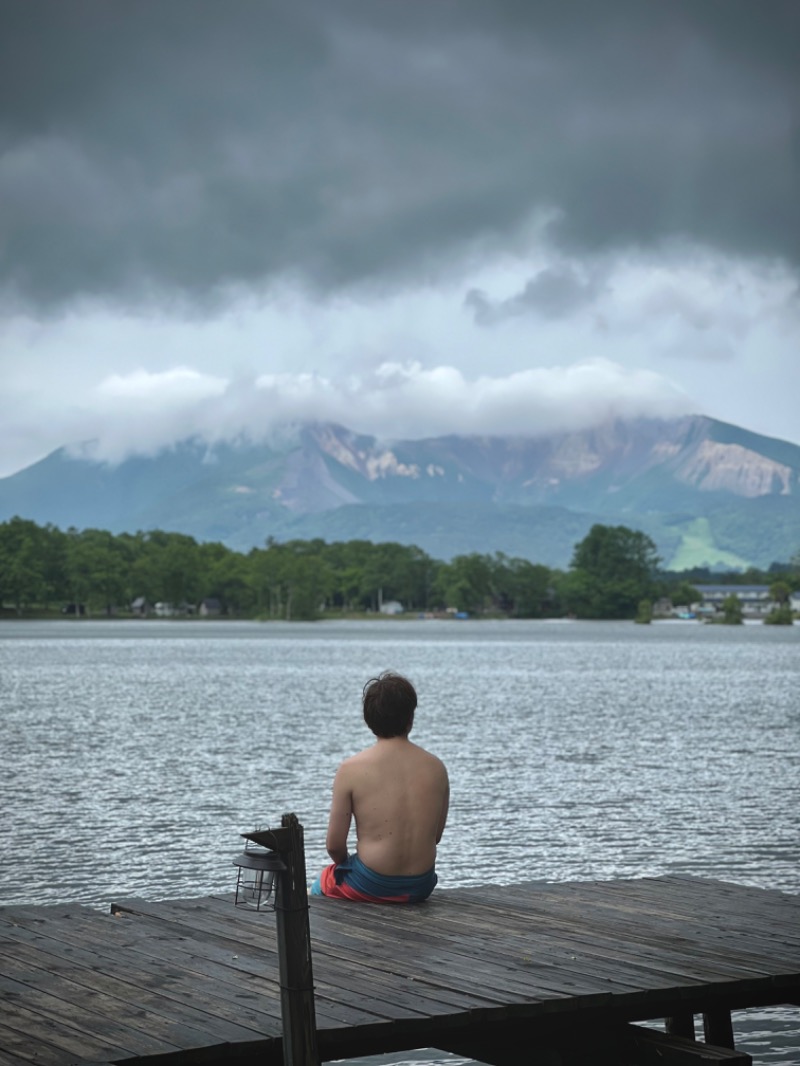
x=430, y=759
x=428, y=754
x=374, y=755
x=354, y=761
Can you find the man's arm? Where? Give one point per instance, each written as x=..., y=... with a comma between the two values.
x=445, y=809
x=340, y=816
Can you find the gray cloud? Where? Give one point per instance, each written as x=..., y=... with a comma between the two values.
x=555, y=292
x=179, y=151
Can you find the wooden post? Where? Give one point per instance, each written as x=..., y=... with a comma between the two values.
x=294, y=953
x=294, y=942
x=681, y=1024
x=718, y=1028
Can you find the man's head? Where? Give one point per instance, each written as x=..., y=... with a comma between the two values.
x=389, y=704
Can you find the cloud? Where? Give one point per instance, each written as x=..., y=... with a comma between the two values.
x=679, y=289
x=141, y=413
x=176, y=155
x=166, y=388
x=656, y=331
x=153, y=412
x=530, y=402
x=555, y=292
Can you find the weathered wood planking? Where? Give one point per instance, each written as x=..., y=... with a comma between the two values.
x=197, y=980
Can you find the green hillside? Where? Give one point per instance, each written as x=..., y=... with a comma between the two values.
x=529, y=498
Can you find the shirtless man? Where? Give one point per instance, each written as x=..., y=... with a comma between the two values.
x=398, y=794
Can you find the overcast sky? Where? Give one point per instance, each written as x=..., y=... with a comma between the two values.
x=411, y=217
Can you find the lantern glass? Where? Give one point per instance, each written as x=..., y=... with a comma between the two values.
x=255, y=883
x=254, y=888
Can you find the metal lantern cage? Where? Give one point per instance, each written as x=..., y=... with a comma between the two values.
x=255, y=881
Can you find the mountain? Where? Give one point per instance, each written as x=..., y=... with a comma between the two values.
x=705, y=491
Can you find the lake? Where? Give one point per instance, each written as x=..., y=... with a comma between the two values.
x=136, y=752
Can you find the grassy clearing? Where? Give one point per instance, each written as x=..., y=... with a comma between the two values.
x=697, y=548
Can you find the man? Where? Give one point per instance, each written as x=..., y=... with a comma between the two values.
x=398, y=794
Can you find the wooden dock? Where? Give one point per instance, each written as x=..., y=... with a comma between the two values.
x=547, y=970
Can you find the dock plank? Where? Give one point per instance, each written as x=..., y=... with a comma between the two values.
x=159, y=977
x=137, y=998
x=640, y=949
x=105, y=1018
x=72, y=1040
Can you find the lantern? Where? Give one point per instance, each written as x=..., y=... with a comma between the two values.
x=255, y=881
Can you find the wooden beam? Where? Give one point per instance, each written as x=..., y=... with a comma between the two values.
x=545, y=1041
x=642, y=1046
x=681, y=1024
x=718, y=1028
x=602, y=1045
x=271, y=839
x=511, y=1044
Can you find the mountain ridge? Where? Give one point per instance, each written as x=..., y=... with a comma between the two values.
x=528, y=496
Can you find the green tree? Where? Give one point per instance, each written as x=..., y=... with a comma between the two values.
x=465, y=583
x=97, y=566
x=166, y=567
x=732, y=611
x=780, y=616
x=348, y=583
x=306, y=579
x=392, y=571
x=227, y=576
x=295, y=577
x=684, y=594
x=23, y=553
x=54, y=565
x=180, y=573
x=780, y=591
x=520, y=588
x=612, y=570
x=345, y=560
x=265, y=567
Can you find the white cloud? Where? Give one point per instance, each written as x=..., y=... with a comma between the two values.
x=164, y=389
x=394, y=401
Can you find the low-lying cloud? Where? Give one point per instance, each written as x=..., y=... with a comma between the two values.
x=137, y=414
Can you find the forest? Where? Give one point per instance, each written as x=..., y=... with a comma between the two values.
x=45, y=571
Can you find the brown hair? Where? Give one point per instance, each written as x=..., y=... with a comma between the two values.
x=389, y=704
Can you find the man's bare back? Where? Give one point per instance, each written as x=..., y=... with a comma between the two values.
x=398, y=794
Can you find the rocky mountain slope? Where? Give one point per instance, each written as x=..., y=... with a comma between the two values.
x=707, y=492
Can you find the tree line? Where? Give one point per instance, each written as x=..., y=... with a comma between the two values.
x=613, y=571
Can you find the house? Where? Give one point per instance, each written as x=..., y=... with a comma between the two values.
x=755, y=599
x=391, y=607
x=209, y=607
x=664, y=608
x=140, y=607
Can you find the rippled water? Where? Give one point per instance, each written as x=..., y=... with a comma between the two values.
x=134, y=753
